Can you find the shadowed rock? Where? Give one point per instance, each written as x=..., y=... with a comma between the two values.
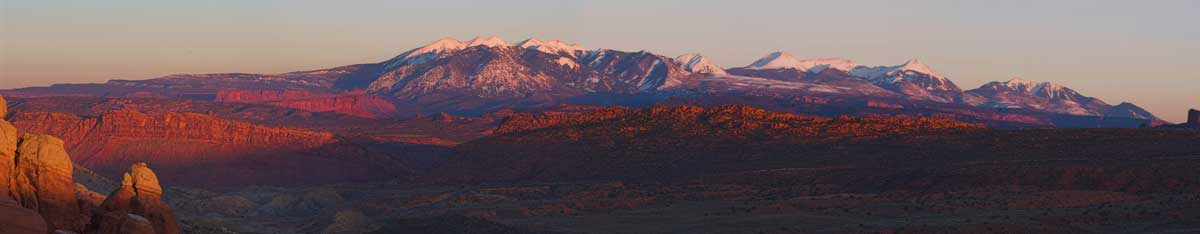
x=15, y=219
x=117, y=222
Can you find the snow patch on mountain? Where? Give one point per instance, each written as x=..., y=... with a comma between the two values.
x=568, y=62
x=697, y=63
x=1016, y=83
x=775, y=60
x=492, y=41
x=437, y=49
x=551, y=47
x=1018, y=93
x=912, y=69
x=783, y=60
x=747, y=84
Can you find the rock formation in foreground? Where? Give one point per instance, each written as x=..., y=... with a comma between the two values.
x=16, y=219
x=38, y=193
x=136, y=206
x=41, y=180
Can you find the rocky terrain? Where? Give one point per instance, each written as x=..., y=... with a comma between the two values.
x=38, y=192
x=736, y=169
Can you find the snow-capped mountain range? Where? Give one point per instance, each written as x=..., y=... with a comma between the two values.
x=487, y=73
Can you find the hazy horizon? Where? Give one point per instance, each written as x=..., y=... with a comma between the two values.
x=1113, y=50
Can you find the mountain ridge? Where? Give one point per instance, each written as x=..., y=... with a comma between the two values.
x=487, y=73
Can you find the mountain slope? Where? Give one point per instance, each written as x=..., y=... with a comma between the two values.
x=697, y=63
x=914, y=79
x=1022, y=94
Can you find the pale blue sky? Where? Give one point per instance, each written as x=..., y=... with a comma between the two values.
x=1143, y=52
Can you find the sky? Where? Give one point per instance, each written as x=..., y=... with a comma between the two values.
x=1144, y=52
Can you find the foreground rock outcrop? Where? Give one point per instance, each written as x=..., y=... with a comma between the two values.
x=38, y=193
x=41, y=180
x=135, y=206
x=17, y=220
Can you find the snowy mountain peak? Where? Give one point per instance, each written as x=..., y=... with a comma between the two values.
x=783, y=60
x=776, y=60
x=1054, y=91
x=699, y=64
x=916, y=66
x=820, y=64
x=531, y=42
x=426, y=53
x=492, y=41
x=1016, y=83
x=551, y=47
x=1047, y=87
x=441, y=45
x=1017, y=80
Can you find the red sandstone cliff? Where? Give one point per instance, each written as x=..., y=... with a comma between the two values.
x=355, y=103
x=177, y=143
x=205, y=151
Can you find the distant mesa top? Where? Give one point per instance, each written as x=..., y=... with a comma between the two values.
x=1193, y=117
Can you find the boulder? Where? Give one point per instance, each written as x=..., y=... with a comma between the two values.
x=41, y=180
x=139, y=198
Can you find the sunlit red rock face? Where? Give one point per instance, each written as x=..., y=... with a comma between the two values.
x=14, y=218
x=355, y=103
x=41, y=180
x=196, y=149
